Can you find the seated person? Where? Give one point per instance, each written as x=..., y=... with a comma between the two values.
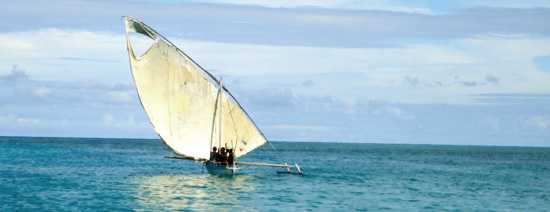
x=223, y=156
x=213, y=154
x=230, y=157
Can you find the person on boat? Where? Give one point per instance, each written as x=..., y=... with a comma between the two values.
x=213, y=154
x=223, y=156
x=230, y=157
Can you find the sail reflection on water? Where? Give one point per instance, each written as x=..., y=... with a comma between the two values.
x=196, y=191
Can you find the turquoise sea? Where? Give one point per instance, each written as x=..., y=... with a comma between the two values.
x=85, y=174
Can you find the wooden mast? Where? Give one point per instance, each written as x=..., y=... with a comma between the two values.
x=221, y=113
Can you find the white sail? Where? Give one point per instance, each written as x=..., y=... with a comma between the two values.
x=182, y=102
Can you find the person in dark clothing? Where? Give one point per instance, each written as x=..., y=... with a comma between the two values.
x=230, y=157
x=223, y=155
x=213, y=154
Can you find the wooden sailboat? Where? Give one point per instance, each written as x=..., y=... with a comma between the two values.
x=189, y=108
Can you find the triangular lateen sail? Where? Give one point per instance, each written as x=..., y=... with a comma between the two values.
x=179, y=98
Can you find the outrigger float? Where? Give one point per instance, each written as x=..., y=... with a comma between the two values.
x=189, y=108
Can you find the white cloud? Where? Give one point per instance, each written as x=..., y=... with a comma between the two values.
x=539, y=121
x=41, y=92
x=64, y=55
x=128, y=123
x=26, y=122
x=384, y=5
x=299, y=127
x=508, y=3
x=454, y=70
x=394, y=111
x=18, y=121
x=450, y=71
x=282, y=106
x=121, y=96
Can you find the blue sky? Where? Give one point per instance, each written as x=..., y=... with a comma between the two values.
x=385, y=71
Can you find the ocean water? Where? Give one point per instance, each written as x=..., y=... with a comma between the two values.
x=65, y=174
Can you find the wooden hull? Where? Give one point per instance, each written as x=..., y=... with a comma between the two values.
x=220, y=169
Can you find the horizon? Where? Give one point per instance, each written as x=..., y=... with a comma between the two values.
x=444, y=73
x=290, y=141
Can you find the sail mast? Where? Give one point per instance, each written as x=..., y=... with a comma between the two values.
x=221, y=112
x=214, y=118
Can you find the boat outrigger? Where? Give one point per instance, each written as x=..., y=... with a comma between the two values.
x=191, y=110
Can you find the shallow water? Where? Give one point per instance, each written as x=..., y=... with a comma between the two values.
x=119, y=174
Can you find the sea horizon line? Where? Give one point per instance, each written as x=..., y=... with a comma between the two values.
x=293, y=141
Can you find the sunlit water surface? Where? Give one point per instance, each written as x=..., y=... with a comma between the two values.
x=119, y=174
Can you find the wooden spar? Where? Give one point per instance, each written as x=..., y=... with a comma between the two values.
x=263, y=164
x=221, y=113
x=183, y=158
x=214, y=118
x=288, y=167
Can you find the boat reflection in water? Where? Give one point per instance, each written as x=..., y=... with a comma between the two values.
x=194, y=191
